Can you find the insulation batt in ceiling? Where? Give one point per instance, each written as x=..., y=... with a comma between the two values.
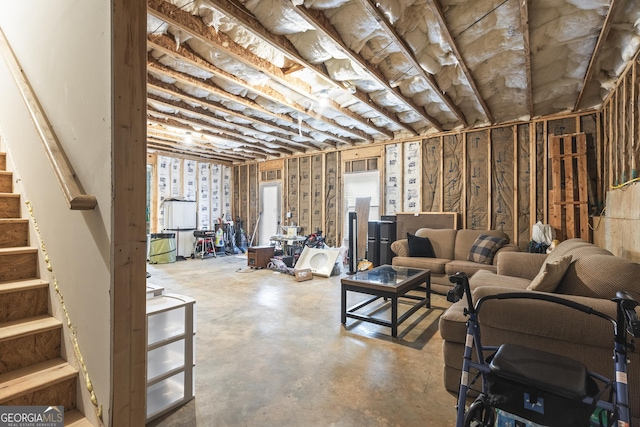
x=392, y=69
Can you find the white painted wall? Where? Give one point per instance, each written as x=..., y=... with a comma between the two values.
x=64, y=49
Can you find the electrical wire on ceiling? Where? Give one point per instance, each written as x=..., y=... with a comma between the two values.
x=481, y=18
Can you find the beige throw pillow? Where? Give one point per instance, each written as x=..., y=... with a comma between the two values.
x=550, y=274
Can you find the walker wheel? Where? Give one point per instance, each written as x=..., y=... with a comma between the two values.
x=480, y=414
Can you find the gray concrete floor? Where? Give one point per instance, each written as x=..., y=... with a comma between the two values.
x=271, y=351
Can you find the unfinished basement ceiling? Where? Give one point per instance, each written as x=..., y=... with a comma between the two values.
x=244, y=80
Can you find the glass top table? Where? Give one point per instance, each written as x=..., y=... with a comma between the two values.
x=390, y=283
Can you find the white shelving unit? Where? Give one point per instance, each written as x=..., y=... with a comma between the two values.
x=170, y=353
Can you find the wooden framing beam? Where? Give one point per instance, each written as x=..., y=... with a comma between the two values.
x=162, y=119
x=225, y=133
x=154, y=67
x=225, y=126
x=128, y=373
x=166, y=45
x=436, y=9
x=196, y=28
x=169, y=148
x=283, y=134
x=604, y=33
x=317, y=19
x=199, y=147
x=524, y=27
x=239, y=13
x=371, y=8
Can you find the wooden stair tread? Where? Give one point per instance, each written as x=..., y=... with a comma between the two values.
x=29, y=326
x=17, y=195
x=36, y=377
x=74, y=418
x=13, y=220
x=18, y=250
x=22, y=285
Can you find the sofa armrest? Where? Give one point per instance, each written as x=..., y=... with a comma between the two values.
x=519, y=264
x=506, y=248
x=542, y=321
x=400, y=247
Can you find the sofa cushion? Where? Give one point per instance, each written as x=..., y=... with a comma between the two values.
x=420, y=246
x=436, y=265
x=487, y=278
x=484, y=248
x=466, y=238
x=468, y=267
x=550, y=275
x=442, y=240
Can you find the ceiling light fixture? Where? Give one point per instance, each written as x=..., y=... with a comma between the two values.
x=188, y=139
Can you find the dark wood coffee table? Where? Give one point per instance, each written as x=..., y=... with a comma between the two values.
x=386, y=282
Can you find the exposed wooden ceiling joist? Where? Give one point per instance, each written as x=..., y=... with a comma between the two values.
x=303, y=128
x=226, y=132
x=170, y=148
x=197, y=29
x=285, y=140
x=218, y=140
x=281, y=43
x=185, y=104
x=195, y=147
x=388, y=28
x=436, y=9
x=320, y=22
x=167, y=46
x=604, y=33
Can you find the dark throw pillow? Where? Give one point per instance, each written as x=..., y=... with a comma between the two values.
x=420, y=246
x=485, y=248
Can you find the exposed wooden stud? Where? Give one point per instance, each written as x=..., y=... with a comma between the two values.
x=464, y=180
x=489, y=181
x=634, y=119
x=533, y=182
x=599, y=158
x=439, y=15
x=128, y=238
x=604, y=33
x=623, y=142
x=516, y=180
x=316, y=19
x=441, y=174
x=545, y=179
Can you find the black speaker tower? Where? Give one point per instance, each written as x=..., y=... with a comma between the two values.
x=353, y=243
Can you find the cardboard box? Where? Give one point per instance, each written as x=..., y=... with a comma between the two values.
x=303, y=274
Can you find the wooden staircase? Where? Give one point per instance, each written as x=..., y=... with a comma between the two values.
x=32, y=371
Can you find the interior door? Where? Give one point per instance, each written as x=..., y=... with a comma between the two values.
x=270, y=202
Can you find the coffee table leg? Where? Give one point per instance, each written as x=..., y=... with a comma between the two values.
x=394, y=316
x=344, y=306
x=428, y=286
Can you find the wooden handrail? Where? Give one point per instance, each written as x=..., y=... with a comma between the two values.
x=71, y=187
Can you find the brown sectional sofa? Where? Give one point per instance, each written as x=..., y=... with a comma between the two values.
x=592, y=278
x=452, y=250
